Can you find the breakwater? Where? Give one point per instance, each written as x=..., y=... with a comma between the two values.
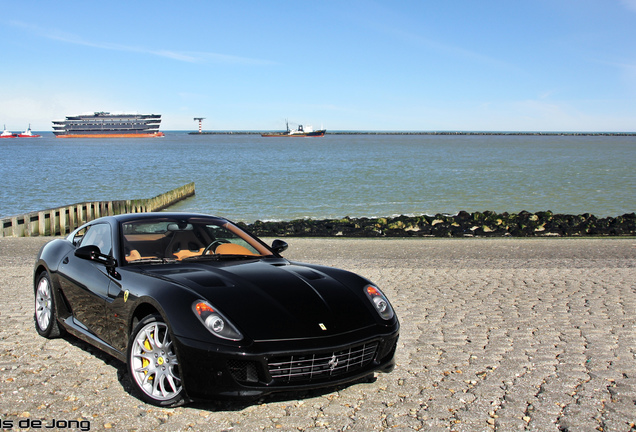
x=463, y=224
x=458, y=133
x=63, y=220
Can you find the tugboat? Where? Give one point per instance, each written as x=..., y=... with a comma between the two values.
x=28, y=134
x=7, y=134
x=307, y=131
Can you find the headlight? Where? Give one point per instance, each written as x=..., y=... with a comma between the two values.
x=379, y=301
x=214, y=321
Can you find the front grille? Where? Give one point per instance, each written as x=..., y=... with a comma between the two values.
x=311, y=367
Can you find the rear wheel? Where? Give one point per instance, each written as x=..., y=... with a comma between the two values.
x=153, y=364
x=45, y=316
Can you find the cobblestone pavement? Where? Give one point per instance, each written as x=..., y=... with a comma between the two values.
x=500, y=335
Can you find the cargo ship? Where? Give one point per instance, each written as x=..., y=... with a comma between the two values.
x=107, y=125
x=306, y=131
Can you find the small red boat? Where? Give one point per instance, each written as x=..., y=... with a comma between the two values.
x=7, y=134
x=28, y=134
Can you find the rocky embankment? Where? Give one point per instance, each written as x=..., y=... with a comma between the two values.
x=463, y=224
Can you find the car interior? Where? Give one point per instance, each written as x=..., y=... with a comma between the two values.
x=174, y=241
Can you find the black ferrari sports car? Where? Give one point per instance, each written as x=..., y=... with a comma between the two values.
x=198, y=308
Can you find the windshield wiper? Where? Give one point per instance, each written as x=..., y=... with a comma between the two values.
x=220, y=257
x=238, y=256
x=200, y=258
x=152, y=261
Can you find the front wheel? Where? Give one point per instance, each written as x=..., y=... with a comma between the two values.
x=45, y=315
x=153, y=364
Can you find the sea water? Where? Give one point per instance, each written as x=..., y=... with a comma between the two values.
x=246, y=177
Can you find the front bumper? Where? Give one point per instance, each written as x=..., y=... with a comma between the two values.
x=274, y=366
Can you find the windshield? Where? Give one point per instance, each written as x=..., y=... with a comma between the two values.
x=170, y=240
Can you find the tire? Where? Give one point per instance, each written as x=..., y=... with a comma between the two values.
x=45, y=315
x=153, y=364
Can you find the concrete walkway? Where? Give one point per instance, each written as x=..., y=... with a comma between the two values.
x=497, y=334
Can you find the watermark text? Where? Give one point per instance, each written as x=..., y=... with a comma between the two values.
x=27, y=423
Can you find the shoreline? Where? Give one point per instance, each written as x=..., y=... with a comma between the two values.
x=463, y=224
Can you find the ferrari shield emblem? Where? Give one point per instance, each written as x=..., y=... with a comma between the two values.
x=322, y=326
x=125, y=296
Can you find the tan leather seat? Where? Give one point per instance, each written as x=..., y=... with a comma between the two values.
x=133, y=255
x=187, y=253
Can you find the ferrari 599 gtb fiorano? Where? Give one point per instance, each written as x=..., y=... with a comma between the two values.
x=198, y=308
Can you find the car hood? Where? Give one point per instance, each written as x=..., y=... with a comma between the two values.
x=275, y=302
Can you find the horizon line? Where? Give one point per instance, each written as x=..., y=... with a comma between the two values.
x=393, y=132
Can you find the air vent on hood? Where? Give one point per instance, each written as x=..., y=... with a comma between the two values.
x=305, y=273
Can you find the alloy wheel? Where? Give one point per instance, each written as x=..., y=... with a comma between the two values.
x=43, y=304
x=153, y=363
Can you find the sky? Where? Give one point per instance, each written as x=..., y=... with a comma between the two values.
x=423, y=65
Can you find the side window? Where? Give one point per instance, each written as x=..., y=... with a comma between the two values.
x=77, y=238
x=97, y=235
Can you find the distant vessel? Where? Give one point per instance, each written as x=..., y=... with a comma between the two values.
x=307, y=131
x=28, y=134
x=7, y=134
x=107, y=125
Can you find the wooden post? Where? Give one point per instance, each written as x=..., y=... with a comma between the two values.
x=41, y=223
x=71, y=219
x=80, y=214
x=53, y=222
x=90, y=215
x=15, y=227
x=28, y=225
x=63, y=211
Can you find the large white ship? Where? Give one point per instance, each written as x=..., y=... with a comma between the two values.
x=107, y=125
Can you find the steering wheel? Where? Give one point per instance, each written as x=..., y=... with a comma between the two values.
x=212, y=246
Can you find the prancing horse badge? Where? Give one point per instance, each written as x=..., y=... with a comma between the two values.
x=322, y=326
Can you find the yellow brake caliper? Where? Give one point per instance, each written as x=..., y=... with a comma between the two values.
x=144, y=361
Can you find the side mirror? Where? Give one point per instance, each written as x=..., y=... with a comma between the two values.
x=279, y=246
x=90, y=252
x=93, y=253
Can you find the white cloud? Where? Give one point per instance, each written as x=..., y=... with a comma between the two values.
x=629, y=4
x=182, y=56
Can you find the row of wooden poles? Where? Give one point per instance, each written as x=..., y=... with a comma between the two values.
x=63, y=220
